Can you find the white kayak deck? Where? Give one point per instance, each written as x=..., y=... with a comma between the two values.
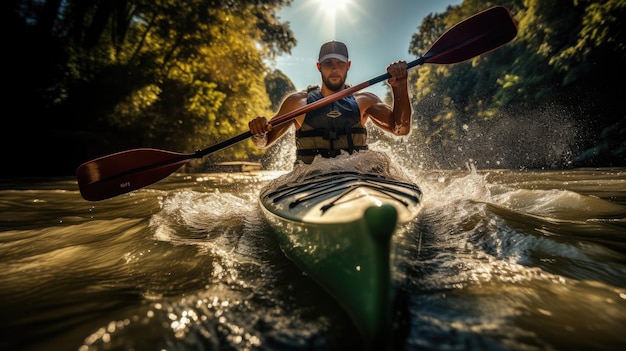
x=341, y=197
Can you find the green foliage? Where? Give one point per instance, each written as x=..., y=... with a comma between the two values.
x=600, y=38
x=181, y=75
x=560, y=48
x=278, y=85
x=166, y=73
x=432, y=27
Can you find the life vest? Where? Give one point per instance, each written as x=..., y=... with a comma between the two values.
x=330, y=128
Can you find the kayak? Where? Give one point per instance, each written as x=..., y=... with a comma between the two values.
x=336, y=224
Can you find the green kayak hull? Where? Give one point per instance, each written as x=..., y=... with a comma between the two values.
x=351, y=262
x=338, y=229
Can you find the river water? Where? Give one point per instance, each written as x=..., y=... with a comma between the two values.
x=496, y=260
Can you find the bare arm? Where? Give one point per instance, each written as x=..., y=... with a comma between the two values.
x=264, y=134
x=396, y=119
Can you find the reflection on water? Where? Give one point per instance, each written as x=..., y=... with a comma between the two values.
x=503, y=260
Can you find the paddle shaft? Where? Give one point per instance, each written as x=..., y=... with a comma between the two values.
x=476, y=35
x=302, y=110
x=130, y=170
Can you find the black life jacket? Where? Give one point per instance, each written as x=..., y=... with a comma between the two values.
x=330, y=128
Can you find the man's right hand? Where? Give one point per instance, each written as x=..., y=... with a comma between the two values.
x=259, y=126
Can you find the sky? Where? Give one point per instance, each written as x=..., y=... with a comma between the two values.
x=377, y=33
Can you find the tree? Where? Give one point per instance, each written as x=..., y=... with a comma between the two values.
x=565, y=54
x=278, y=85
x=132, y=73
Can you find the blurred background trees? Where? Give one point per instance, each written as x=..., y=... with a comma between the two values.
x=91, y=77
x=556, y=85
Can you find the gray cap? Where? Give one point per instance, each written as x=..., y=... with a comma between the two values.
x=334, y=49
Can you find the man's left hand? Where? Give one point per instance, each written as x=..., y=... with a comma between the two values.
x=398, y=72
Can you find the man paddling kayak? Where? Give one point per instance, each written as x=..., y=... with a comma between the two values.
x=126, y=171
x=340, y=125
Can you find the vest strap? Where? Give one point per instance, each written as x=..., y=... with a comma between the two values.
x=327, y=134
x=327, y=153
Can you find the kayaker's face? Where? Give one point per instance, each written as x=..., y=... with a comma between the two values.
x=334, y=73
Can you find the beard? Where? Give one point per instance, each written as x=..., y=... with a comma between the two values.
x=334, y=86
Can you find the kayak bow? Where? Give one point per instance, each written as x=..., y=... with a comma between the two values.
x=337, y=227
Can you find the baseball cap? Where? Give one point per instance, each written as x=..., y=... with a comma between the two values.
x=334, y=49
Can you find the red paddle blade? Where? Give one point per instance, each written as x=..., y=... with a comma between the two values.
x=476, y=35
x=126, y=171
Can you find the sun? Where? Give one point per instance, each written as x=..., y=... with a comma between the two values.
x=327, y=12
x=331, y=7
x=326, y=15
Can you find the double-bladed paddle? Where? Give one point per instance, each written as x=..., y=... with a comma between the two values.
x=125, y=171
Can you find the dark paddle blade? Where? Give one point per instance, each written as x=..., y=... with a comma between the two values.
x=126, y=171
x=476, y=35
